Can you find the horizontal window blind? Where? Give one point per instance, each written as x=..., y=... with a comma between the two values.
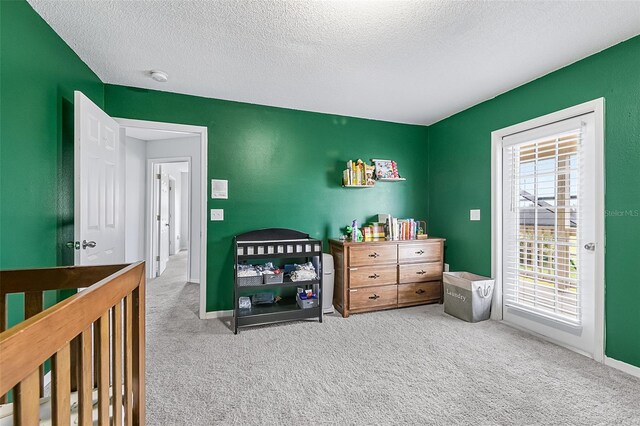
x=540, y=228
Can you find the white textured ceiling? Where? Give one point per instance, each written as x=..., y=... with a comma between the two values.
x=401, y=61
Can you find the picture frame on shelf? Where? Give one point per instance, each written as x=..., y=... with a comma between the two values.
x=383, y=168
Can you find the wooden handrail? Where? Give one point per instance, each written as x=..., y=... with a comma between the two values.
x=26, y=346
x=60, y=278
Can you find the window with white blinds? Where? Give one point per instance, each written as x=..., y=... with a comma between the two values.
x=541, y=216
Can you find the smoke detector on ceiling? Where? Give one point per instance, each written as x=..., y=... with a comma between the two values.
x=160, y=76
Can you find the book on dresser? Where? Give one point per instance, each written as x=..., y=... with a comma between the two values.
x=386, y=274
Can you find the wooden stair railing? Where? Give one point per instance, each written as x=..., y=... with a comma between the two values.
x=109, y=315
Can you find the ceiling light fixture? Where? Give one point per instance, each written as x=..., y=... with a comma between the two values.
x=160, y=76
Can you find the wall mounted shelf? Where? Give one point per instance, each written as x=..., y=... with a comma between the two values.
x=357, y=186
x=390, y=179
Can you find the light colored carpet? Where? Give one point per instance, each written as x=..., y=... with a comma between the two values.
x=406, y=366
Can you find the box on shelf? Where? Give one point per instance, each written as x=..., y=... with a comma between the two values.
x=383, y=217
x=249, y=281
x=244, y=302
x=263, y=299
x=273, y=278
x=311, y=302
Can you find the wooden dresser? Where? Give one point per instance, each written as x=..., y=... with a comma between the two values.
x=383, y=274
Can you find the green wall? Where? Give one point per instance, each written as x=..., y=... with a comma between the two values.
x=38, y=74
x=460, y=176
x=284, y=169
x=284, y=166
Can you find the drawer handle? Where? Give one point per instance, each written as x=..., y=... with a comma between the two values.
x=374, y=297
x=420, y=291
x=421, y=272
x=374, y=276
x=374, y=255
x=420, y=252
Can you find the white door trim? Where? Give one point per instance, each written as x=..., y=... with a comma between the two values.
x=202, y=131
x=597, y=107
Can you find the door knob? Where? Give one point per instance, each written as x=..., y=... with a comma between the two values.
x=590, y=246
x=73, y=245
x=90, y=244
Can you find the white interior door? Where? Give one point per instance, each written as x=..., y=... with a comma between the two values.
x=173, y=249
x=164, y=221
x=98, y=221
x=549, y=232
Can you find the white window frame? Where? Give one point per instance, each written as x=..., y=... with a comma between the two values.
x=597, y=107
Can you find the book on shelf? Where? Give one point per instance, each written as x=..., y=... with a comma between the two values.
x=356, y=174
x=401, y=229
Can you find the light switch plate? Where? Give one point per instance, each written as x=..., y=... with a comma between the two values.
x=217, y=214
x=474, y=214
x=219, y=189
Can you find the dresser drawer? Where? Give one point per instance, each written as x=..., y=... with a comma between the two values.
x=373, y=255
x=418, y=272
x=417, y=293
x=365, y=298
x=369, y=276
x=420, y=252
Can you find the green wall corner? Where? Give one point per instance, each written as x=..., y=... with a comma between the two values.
x=460, y=176
x=38, y=74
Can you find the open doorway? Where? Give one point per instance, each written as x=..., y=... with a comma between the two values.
x=165, y=175
x=170, y=215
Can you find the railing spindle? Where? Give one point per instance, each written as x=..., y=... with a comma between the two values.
x=102, y=365
x=27, y=405
x=85, y=381
x=3, y=327
x=33, y=305
x=139, y=353
x=128, y=363
x=61, y=386
x=116, y=381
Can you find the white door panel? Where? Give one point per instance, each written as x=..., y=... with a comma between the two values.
x=99, y=226
x=164, y=220
x=173, y=247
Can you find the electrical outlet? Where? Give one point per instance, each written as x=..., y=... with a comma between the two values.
x=217, y=214
x=446, y=267
x=474, y=214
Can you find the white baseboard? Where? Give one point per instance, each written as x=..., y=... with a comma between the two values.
x=622, y=366
x=218, y=314
x=193, y=281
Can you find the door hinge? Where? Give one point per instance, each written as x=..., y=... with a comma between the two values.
x=157, y=258
x=158, y=217
x=158, y=176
